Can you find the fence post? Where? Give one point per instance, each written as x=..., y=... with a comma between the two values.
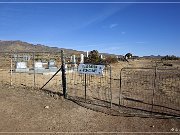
x=34, y=70
x=120, y=89
x=155, y=72
x=11, y=70
x=63, y=74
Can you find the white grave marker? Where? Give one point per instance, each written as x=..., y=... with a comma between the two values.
x=71, y=59
x=51, y=63
x=82, y=58
x=38, y=65
x=74, y=59
x=21, y=65
x=52, y=66
x=87, y=54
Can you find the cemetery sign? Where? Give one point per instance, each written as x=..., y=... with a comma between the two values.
x=91, y=69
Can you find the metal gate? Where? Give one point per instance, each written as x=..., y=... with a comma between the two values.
x=137, y=88
x=150, y=89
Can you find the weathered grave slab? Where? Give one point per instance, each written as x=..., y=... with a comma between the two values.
x=21, y=67
x=52, y=66
x=38, y=67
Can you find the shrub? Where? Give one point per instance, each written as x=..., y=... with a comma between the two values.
x=111, y=59
x=93, y=57
x=128, y=56
x=168, y=57
x=167, y=64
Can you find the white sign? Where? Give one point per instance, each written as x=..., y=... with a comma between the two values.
x=21, y=65
x=90, y=69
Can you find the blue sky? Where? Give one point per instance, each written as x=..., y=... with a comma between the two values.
x=119, y=28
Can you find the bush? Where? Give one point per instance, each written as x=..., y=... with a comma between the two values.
x=93, y=58
x=111, y=59
x=167, y=64
x=128, y=56
x=168, y=57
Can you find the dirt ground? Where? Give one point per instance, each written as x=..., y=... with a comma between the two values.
x=28, y=111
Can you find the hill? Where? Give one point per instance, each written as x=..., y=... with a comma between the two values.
x=19, y=46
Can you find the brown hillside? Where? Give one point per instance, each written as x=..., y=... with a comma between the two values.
x=16, y=46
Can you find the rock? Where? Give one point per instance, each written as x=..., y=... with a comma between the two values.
x=47, y=107
x=152, y=126
x=56, y=96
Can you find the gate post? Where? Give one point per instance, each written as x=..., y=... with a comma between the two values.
x=110, y=86
x=63, y=74
x=120, y=88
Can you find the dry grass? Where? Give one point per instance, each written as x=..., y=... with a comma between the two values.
x=137, y=84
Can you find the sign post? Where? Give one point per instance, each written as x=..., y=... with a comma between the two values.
x=85, y=87
x=90, y=69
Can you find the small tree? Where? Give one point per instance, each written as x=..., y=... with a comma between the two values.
x=93, y=57
x=128, y=56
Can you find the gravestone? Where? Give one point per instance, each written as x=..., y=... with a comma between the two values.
x=74, y=59
x=15, y=57
x=71, y=59
x=26, y=57
x=21, y=67
x=39, y=66
x=87, y=54
x=82, y=58
x=52, y=66
x=51, y=63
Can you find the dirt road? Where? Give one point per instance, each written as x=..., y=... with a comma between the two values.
x=25, y=110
